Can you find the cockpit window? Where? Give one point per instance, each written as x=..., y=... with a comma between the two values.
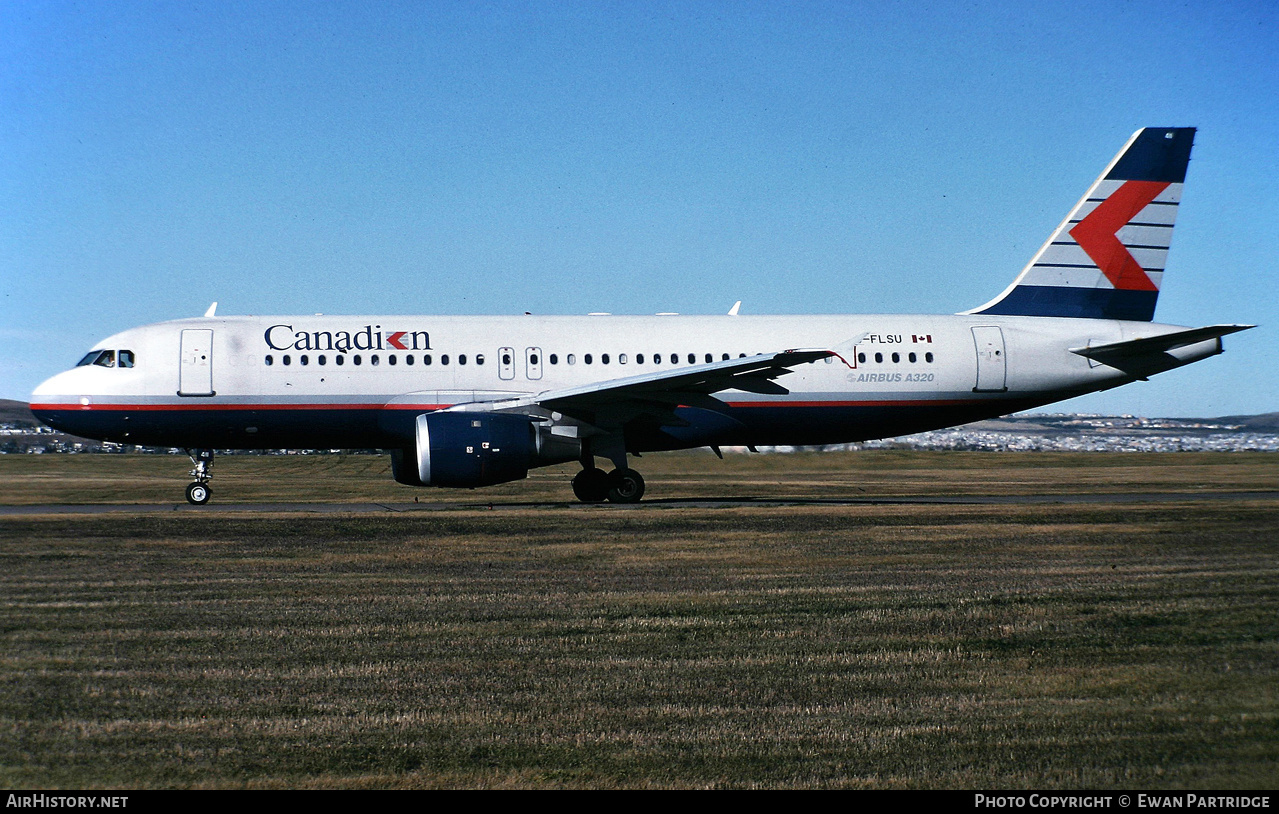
x=107, y=358
x=102, y=358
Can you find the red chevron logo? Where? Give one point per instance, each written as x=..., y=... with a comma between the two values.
x=1096, y=234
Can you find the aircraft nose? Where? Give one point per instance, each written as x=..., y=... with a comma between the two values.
x=57, y=399
x=54, y=389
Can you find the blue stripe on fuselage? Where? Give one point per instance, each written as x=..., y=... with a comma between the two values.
x=760, y=423
x=1085, y=303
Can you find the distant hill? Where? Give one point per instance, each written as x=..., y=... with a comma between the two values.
x=17, y=412
x=1257, y=423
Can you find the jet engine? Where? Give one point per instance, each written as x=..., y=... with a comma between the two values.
x=469, y=449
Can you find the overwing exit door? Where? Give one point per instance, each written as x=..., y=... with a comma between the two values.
x=195, y=368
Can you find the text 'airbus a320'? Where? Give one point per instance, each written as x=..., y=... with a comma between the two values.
x=475, y=401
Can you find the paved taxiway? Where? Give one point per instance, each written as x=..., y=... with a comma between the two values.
x=657, y=503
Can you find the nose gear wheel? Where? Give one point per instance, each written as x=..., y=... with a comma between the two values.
x=198, y=492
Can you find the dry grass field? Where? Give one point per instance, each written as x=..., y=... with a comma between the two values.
x=127, y=479
x=1128, y=644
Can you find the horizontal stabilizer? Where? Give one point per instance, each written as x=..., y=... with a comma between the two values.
x=1153, y=354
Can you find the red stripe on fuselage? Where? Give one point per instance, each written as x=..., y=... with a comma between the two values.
x=429, y=407
x=233, y=407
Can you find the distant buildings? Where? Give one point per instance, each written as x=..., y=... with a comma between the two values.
x=1084, y=433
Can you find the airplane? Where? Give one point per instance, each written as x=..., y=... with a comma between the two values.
x=473, y=401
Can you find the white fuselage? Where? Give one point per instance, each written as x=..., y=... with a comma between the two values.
x=358, y=381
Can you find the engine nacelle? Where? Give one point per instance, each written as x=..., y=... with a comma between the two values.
x=466, y=450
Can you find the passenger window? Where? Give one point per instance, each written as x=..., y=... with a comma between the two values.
x=322, y=359
x=270, y=360
x=391, y=360
x=461, y=358
x=479, y=359
x=861, y=357
x=572, y=359
x=555, y=359
x=288, y=360
x=408, y=360
x=928, y=357
x=897, y=357
x=304, y=359
x=373, y=360
x=725, y=357
x=444, y=358
x=621, y=358
x=340, y=360
x=911, y=357
x=675, y=358
x=639, y=358
x=355, y=360
x=426, y=359
x=587, y=358
x=126, y=358
x=879, y=358
x=709, y=358
x=604, y=358
x=692, y=358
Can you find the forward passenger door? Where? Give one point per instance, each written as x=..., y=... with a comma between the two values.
x=195, y=367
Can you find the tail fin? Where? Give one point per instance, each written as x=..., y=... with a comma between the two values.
x=1106, y=260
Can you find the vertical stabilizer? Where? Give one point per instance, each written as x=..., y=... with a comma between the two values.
x=1106, y=260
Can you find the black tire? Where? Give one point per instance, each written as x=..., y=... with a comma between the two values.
x=625, y=486
x=591, y=485
x=198, y=493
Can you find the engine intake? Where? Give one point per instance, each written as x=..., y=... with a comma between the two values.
x=467, y=450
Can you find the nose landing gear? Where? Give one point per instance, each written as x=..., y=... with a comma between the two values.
x=198, y=492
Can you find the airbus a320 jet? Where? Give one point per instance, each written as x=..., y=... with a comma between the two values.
x=465, y=401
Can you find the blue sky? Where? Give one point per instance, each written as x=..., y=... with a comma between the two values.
x=632, y=157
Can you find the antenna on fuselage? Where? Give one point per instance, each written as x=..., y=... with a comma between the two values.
x=732, y=312
x=212, y=309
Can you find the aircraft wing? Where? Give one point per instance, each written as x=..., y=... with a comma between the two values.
x=610, y=404
x=1152, y=354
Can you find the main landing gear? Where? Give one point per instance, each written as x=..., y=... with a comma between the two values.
x=619, y=486
x=198, y=492
x=594, y=485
